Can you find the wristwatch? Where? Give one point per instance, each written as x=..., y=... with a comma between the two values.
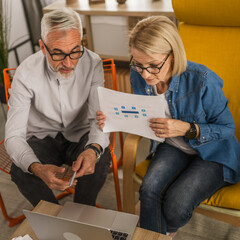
x=95, y=149
x=192, y=133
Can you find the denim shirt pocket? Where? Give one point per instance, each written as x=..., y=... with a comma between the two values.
x=199, y=117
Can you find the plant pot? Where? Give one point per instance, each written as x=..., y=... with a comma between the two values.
x=2, y=94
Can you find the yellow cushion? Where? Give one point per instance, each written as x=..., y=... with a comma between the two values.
x=227, y=197
x=141, y=168
x=205, y=12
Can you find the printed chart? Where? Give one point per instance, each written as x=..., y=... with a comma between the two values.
x=130, y=113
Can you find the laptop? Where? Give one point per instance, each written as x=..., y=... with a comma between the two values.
x=82, y=222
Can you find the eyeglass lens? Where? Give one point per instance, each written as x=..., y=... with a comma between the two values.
x=152, y=70
x=62, y=56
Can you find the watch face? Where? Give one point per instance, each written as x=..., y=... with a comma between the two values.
x=192, y=133
x=98, y=155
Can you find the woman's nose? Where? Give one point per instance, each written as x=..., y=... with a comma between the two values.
x=145, y=74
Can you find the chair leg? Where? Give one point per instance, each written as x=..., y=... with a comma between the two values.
x=120, y=160
x=116, y=180
x=129, y=164
x=12, y=221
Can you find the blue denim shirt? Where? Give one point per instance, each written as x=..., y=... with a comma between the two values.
x=196, y=96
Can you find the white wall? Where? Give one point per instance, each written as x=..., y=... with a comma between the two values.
x=19, y=32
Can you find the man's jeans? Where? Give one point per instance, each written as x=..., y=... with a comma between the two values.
x=174, y=185
x=60, y=151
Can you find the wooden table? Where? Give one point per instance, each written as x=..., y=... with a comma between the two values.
x=132, y=10
x=54, y=209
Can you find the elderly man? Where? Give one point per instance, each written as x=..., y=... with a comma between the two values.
x=51, y=117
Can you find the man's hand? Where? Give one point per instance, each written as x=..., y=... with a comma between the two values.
x=165, y=127
x=85, y=163
x=101, y=118
x=48, y=173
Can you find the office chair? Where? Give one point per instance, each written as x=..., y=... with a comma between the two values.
x=5, y=161
x=211, y=37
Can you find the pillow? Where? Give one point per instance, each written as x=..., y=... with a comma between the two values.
x=142, y=168
x=226, y=197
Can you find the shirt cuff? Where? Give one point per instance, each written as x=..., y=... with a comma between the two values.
x=27, y=160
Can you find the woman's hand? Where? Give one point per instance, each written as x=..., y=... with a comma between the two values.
x=166, y=127
x=101, y=118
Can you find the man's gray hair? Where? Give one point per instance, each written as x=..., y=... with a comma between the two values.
x=62, y=19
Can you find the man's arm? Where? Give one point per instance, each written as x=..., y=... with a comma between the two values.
x=96, y=135
x=86, y=161
x=15, y=136
x=17, y=121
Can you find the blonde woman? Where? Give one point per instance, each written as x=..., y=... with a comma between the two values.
x=201, y=153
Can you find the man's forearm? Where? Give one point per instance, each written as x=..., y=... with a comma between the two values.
x=35, y=168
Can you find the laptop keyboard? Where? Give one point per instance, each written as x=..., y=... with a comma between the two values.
x=119, y=235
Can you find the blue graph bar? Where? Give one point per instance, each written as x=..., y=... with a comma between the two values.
x=133, y=112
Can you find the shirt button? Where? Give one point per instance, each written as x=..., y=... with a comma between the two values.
x=173, y=116
x=203, y=137
x=170, y=100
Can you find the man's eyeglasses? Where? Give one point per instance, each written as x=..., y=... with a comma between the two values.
x=61, y=56
x=152, y=70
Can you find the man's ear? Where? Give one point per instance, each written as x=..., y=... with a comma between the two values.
x=42, y=47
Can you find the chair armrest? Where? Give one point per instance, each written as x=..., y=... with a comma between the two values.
x=229, y=216
x=129, y=163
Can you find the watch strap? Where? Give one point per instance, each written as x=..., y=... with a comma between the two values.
x=95, y=149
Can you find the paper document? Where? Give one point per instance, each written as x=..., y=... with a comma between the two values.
x=130, y=113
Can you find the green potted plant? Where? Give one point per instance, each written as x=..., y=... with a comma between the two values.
x=4, y=40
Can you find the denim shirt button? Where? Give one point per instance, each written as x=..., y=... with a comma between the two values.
x=203, y=137
x=173, y=116
x=170, y=100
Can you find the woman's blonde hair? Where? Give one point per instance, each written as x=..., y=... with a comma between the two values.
x=62, y=19
x=158, y=34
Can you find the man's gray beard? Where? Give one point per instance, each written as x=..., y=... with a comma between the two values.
x=65, y=76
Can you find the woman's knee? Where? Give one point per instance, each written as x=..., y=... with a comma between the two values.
x=150, y=190
x=178, y=210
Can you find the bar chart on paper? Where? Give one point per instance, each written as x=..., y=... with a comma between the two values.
x=130, y=113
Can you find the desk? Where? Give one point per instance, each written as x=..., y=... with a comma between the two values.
x=131, y=12
x=54, y=209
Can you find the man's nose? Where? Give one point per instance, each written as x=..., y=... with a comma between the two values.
x=67, y=62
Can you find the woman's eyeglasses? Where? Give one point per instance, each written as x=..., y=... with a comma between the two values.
x=152, y=70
